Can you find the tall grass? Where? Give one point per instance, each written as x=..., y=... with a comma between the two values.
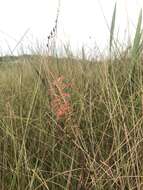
x=84, y=136
x=97, y=146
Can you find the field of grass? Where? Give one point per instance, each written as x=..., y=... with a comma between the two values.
x=96, y=144
x=72, y=123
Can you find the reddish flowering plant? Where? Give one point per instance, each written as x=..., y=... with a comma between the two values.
x=61, y=98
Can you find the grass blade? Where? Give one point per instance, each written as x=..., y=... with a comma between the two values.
x=136, y=49
x=112, y=28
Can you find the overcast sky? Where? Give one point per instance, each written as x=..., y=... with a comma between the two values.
x=82, y=22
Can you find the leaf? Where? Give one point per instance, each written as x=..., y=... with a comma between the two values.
x=137, y=45
x=112, y=28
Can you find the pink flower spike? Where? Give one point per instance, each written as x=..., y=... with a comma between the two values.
x=66, y=94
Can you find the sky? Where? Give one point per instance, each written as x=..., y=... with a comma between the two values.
x=27, y=23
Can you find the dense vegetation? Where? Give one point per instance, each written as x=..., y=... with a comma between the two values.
x=96, y=144
x=73, y=123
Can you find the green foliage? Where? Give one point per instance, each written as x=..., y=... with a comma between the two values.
x=96, y=145
x=91, y=148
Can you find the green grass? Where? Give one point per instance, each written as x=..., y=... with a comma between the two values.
x=96, y=145
x=99, y=146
